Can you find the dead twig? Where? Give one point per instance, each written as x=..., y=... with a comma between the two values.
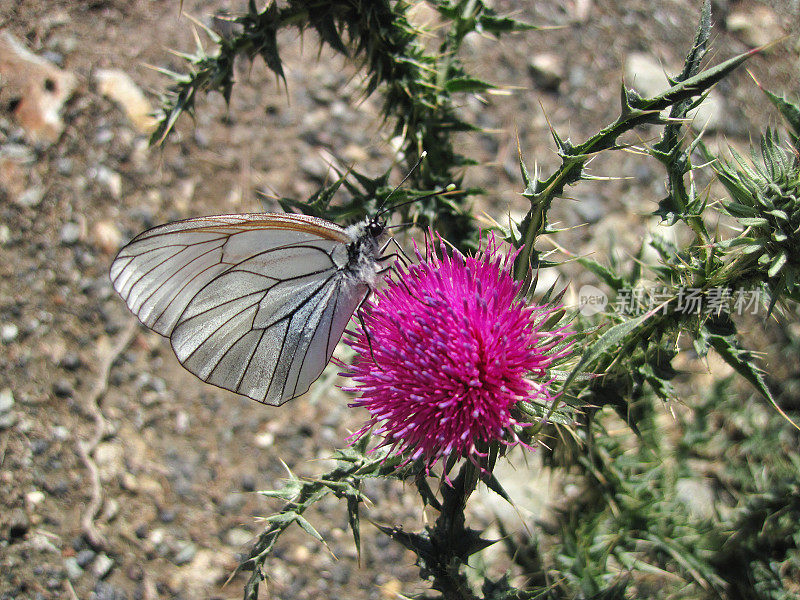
x=86, y=449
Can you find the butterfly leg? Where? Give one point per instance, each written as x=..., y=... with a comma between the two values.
x=400, y=254
x=360, y=317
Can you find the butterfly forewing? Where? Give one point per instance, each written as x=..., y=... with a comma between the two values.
x=252, y=303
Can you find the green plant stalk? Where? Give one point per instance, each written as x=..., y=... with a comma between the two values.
x=635, y=111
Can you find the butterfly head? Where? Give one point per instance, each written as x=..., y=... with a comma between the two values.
x=375, y=227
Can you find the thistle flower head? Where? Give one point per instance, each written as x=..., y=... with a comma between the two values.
x=446, y=350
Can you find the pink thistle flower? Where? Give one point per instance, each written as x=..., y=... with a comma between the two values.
x=449, y=349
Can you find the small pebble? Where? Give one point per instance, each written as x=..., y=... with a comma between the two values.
x=105, y=590
x=299, y=555
x=39, y=447
x=248, y=483
x=31, y=197
x=34, y=498
x=70, y=233
x=102, y=566
x=18, y=523
x=185, y=554
x=103, y=136
x=110, y=180
x=64, y=166
x=107, y=236
x=74, y=571
x=62, y=388
x=85, y=557
x=237, y=537
x=8, y=420
x=71, y=362
x=9, y=333
x=166, y=515
x=141, y=531
x=60, y=433
x=6, y=400
x=264, y=440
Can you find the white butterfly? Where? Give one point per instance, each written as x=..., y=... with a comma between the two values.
x=252, y=303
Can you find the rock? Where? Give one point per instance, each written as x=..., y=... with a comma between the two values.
x=41, y=542
x=102, y=566
x=185, y=554
x=70, y=362
x=19, y=153
x=8, y=420
x=110, y=180
x=119, y=87
x=65, y=165
x=299, y=555
x=105, y=590
x=710, y=114
x=264, y=439
x=591, y=208
x=207, y=569
x=35, y=90
x=109, y=458
x=5, y=234
x=85, y=557
x=167, y=515
x=62, y=389
x=181, y=422
x=6, y=400
x=107, y=237
x=232, y=502
x=238, y=537
x=546, y=71
x=61, y=433
x=127, y=481
x=34, y=498
x=391, y=589
x=72, y=568
x=355, y=153
x=9, y=332
x=70, y=233
x=18, y=523
x=755, y=26
x=248, y=483
x=31, y=197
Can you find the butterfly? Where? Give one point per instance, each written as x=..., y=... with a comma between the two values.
x=252, y=303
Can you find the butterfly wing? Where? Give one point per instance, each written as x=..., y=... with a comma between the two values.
x=252, y=303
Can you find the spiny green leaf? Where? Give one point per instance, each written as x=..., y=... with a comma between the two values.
x=467, y=84
x=789, y=110
x=743, y=363
x=607, y=341
x=309, y=529
x=609, y=277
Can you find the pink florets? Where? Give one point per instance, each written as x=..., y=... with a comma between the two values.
x=450, y=349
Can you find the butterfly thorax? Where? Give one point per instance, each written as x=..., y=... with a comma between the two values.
x=363, y=250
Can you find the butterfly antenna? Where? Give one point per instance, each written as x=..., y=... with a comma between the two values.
x=446, y=190
x=397, y=187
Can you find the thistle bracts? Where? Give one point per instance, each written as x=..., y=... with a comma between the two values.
x=765, y=200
